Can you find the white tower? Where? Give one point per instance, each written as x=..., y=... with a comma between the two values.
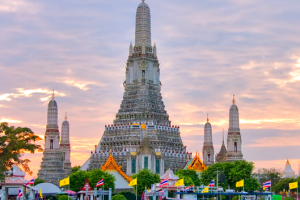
x=208, y=148
x=52, y=166
x=234, y=140
x=52, y=132
x=65, y=145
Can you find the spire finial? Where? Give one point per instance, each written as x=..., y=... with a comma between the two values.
x=207, y=118
x=223, y=135
x=53, y=95
x=66, y=116
x=233, y=100
x=143, y=0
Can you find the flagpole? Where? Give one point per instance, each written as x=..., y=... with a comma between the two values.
x=136, y=192
x=297, y=191
x=68, y=192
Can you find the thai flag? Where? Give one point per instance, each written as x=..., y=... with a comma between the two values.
x=266, y=189
x=31, y=182
x=20, y=193
x=189, y=188
x=212, y=183
x=267, y=184
x=100, y=183
x=164, y=182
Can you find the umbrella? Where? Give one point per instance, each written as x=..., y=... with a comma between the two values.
x=70, y=192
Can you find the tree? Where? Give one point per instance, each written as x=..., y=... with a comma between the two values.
x=187, y=181
x=263, y=175
x=14, y=142
x=38, y=181
x=77, y=179
x=283, y=184
x=145, y=178
x=96, y=175
x=233, y=172
x=188, y=173
x=118, y=197
x=75, y=168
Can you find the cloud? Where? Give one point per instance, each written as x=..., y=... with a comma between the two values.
x=10, y=120
x=12, y=6
x=80, y=85
x=28, y=93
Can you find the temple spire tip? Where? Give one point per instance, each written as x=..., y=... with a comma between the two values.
x=53, y=95
x=233, y=100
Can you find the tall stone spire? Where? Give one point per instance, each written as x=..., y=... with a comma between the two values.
x=208, y=148
x=65, y=131
x=52, y=132
x=234, y=140
x=221, y=156
x=65, y=145
x=143, y=25
x=52, y=166
x=142, y=115
x=52, y=113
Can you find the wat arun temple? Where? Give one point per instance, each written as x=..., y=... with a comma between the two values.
x=142, y=135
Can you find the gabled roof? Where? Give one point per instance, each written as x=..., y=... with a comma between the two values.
x=16, y=172
x=196, y=164
x=111, y=165
x=86, y=185
x=169, y=175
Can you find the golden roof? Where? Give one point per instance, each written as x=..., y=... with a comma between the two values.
x=196, y=164
x=111, y=165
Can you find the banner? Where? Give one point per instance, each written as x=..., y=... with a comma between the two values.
x=179, y=183
x=133, y=182
x=65, y=181
x=293, y=185
x=240, y=184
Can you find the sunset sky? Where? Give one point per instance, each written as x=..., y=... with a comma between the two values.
x=208, y=51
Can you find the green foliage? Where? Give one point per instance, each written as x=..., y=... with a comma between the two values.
x=77, y=179
x=263, y=175
x=64, y=197
x=128, y=194
x=118, y=197
x=283, y=184
x=234, y=172
x=96, y=175
x=15, y=141
x=235, y=198
x=251, y=184
x=38, y=181
x=289, y=198
x=187, y=181
x=189, y=173
x=75, y=168
x=145, y=178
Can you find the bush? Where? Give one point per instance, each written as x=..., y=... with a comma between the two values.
x=289, y=198
x=117, y=197
x=64, y=197
x=235, y=198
